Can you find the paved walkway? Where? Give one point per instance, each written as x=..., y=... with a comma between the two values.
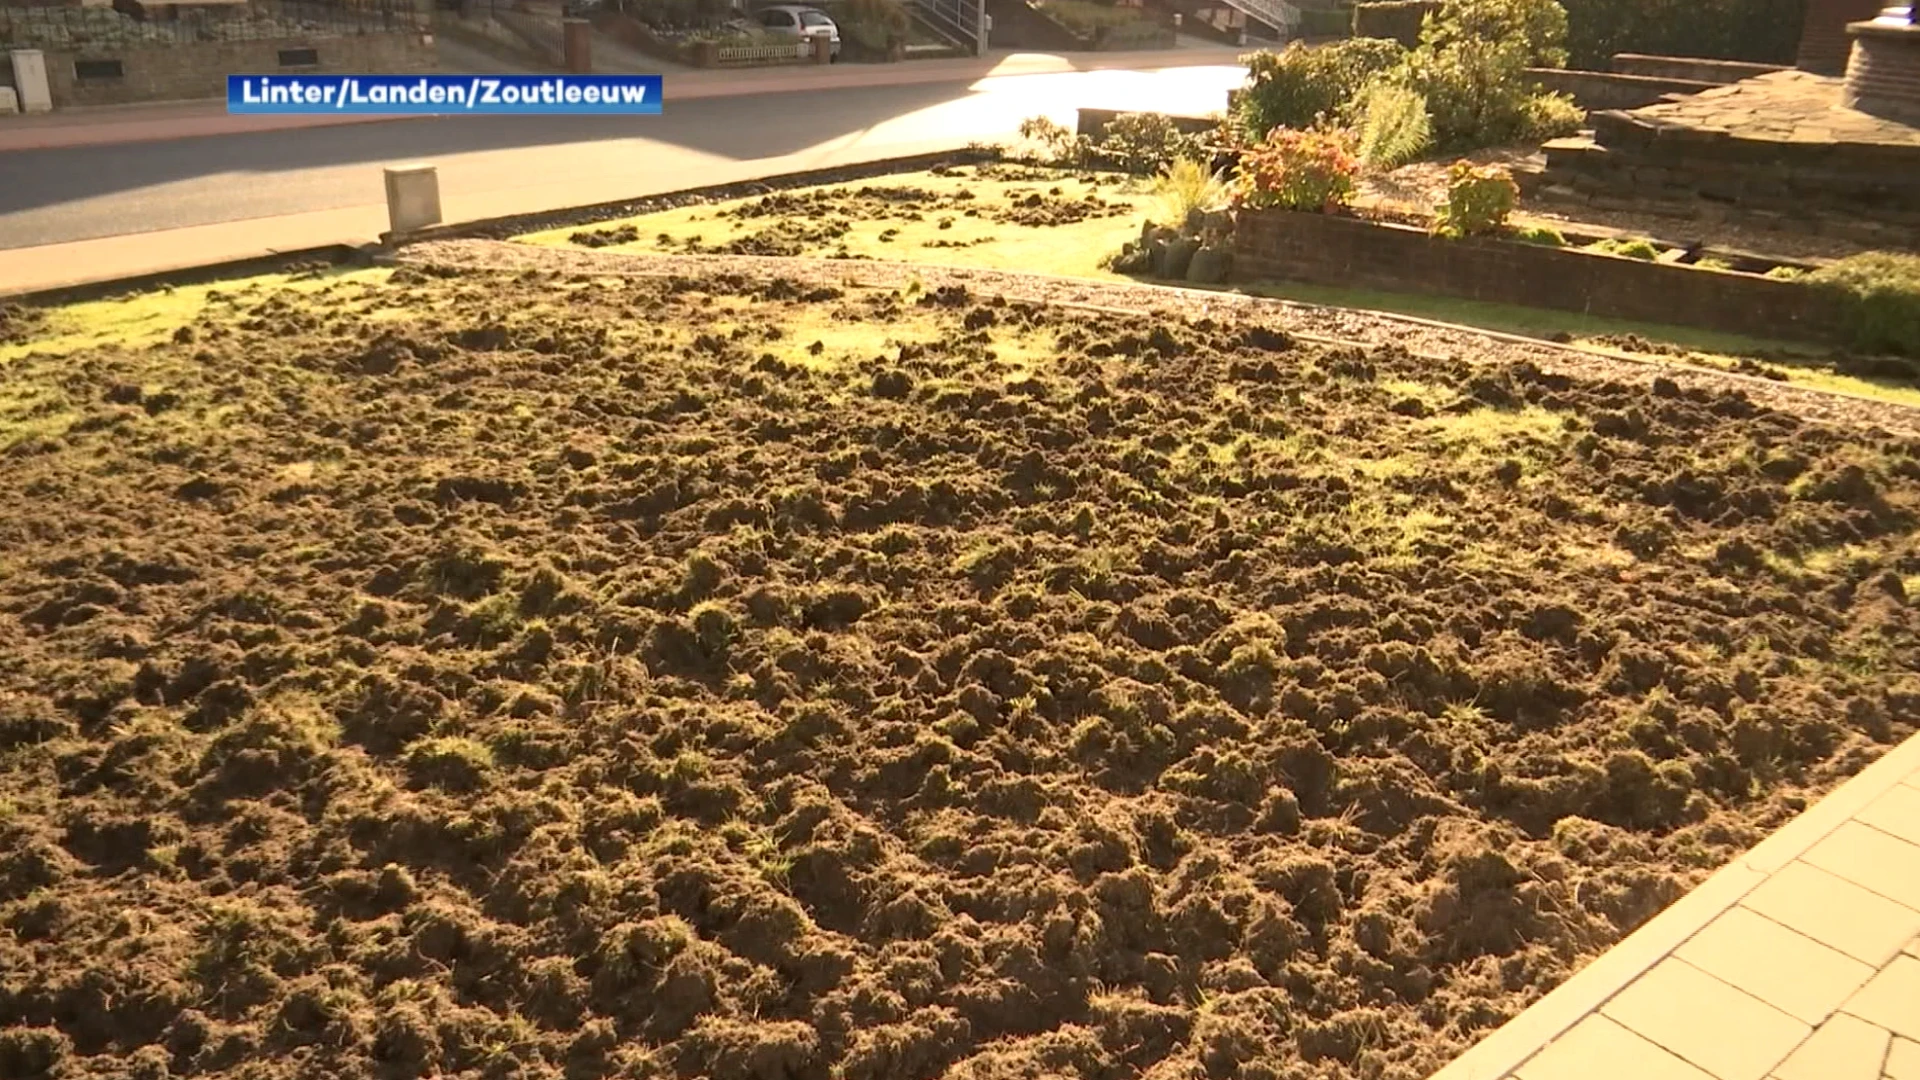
x=1785, y=106
x=1799, y=961
x=179, y=120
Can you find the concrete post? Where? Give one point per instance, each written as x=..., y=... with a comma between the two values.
x=578, y=45
x=413, y=198
x=30, y=79
x=822, y=49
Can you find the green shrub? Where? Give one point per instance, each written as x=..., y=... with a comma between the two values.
x=1083, y=17
x=1139, y=32
x=1183, y=187
x=1632, y=249
x=1325, y=23
x=1479, y=200
x=1144, y=143
x=1550, y=116
x=1391, y=124
x=1396, y=20
x=1535, y=29
x=874, y=25
x=1299, y=86
x=1540, y=234
x=1713, y=264
x=1882, y=294
x=1471, y=66
x=1053, y=143
x=1761, y=31
x=1312, y=171
x=1785, y=273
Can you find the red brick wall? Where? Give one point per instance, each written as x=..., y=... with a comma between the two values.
x=1824, y=43
x=1339, y=251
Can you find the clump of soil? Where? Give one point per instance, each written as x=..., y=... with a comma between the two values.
x=609, y=682
x=20, y=323
x=599, y=238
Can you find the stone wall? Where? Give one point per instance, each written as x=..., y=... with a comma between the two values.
x=1339, y=251
x=1595, y=90
x=1692, y=68
x=1866, y=192
x=185, y=71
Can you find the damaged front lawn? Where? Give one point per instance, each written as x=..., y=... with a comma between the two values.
x=1084, y=222
x=510, y=674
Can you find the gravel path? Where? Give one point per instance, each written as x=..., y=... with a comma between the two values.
x=1321, y=324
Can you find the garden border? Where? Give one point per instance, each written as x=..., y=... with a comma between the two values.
x=1327, y=249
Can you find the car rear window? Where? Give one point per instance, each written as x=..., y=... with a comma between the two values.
x=814, y=18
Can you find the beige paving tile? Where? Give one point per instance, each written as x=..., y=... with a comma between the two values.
x=1789, y=971
x=1599, y=1049
x=1896, y=812
x=1835, y=912
x=1892, y=999
x=1903, y=1060
x=1843, y=1048
x=1866, y=856
x=1730, y=1034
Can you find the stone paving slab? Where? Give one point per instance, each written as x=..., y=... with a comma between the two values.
x=1785, y=106
x=1798, y=961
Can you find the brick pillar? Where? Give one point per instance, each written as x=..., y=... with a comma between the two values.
x=578, y=42
x=1824, y=42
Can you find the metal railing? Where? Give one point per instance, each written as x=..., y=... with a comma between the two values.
x=1278, y=14
x=82, y=29
x=956, y=20
x=754, y=54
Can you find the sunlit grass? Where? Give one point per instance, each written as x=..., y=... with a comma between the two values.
x=147, y=318
x=1071, y=250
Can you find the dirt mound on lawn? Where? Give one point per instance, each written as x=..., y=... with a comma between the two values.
x=521, y=677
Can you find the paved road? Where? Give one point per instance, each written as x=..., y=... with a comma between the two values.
x=80, y=193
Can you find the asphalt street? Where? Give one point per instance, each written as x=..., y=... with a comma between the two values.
x=80, y=193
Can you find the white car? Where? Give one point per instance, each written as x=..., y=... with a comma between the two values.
x=801, y=21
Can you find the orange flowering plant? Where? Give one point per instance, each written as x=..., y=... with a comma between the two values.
x=1312, y=171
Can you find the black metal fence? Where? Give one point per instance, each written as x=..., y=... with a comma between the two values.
x=131, y=24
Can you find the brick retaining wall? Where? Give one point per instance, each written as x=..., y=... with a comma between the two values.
x=184, y=72
x=1594, y=90
x=1340, y=251
x=1689, y=67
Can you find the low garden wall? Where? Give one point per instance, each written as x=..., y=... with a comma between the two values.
x=1691, y=68
x=181, y=71
x=1595, y=90
x=1324, y=249
x=1093, y=122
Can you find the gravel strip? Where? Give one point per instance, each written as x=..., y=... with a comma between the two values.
x=1325, y=324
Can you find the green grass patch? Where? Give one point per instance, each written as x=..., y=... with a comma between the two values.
x=141, y=319
x=941, y=237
